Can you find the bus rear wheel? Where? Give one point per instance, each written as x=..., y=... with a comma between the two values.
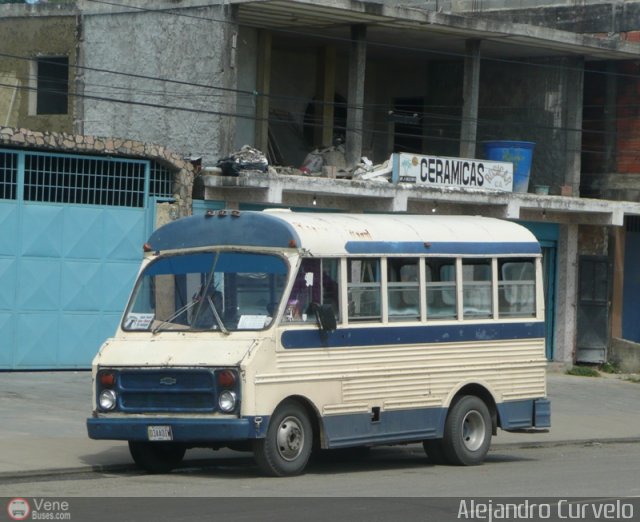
x=286, y=448
x=467, y=432
x=156, y=457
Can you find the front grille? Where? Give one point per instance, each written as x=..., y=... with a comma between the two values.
x=180, y=391
x=167, y=401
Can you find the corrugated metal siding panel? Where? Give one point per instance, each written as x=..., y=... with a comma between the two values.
x=415, y=375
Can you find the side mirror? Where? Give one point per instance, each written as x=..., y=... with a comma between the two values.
x=326, y=318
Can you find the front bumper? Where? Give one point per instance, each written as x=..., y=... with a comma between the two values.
x=183, y=430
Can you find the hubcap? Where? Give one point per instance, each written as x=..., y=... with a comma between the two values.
x=473, y=430
x=290, y=438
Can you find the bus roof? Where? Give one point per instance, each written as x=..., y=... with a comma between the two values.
x=330, y=234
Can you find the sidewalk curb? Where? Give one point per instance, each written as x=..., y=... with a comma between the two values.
x=33, y=474
x=570, y=442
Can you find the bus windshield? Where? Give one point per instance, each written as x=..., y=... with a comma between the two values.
x=224, y=291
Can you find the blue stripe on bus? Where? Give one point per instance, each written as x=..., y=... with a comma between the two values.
x=423, y=334
x=444, y=247
x=356, y=429
x=420, y=423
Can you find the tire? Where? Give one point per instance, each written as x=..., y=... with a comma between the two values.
x=156, y=457
x=286, y=448
x=435, y=452
x=467, y=432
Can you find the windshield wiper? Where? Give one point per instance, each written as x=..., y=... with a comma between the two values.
x=207, y=298
x=175, y=314
x=217, y=317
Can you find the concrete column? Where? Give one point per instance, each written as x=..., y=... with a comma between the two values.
x=573, y=102
x=227, y=128
x=567, y=295
x=327, y=89
x=355, y=101
x=247, y=81
x=263, y=86
x=78, y=105
x=470, y=90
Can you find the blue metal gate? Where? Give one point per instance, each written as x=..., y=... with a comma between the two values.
x=71, y=234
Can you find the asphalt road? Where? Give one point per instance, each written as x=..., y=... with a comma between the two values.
x=593, y=451
x=572, y=481
x=591, y=470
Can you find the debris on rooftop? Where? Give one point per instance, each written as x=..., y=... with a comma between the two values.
x=367, y=171
x=327, y=162
x=247, y=158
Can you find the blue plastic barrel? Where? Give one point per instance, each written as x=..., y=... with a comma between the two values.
x=519, y=153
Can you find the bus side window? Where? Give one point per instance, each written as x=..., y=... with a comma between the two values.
x=441, y=289
x=476, y=288
x=305, y=291
x=516, y=288
x=403, y=288
x=315, y=283
x=364, y=288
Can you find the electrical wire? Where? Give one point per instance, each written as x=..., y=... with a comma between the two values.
x=367, y=125
x=432, y=116
x=347, y=40
x=253, y=94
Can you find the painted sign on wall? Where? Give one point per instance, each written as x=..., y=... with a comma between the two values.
x=438, y=171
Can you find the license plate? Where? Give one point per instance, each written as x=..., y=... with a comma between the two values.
x=159, y=433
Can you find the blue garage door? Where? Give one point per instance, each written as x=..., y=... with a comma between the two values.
x=71, y=236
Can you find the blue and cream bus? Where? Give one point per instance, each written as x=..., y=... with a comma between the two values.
x=280, y=332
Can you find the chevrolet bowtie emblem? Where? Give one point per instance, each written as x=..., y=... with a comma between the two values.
x=168, y=381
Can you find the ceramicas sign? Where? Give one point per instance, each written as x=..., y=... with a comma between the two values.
x=437, y=171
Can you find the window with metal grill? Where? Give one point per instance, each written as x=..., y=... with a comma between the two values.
x=8, y=175
x=88, y=180
x=82, y=180
x=161, y=181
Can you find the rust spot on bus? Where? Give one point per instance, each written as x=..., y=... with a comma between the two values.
x=360, y=234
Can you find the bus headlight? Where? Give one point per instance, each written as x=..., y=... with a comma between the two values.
x=107, y=399
x=227, y=401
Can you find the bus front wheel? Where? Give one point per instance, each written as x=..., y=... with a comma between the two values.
x=156, y=457
x=467, y=432
x=286, y=448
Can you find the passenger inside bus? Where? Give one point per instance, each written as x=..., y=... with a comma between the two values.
x=313, y=285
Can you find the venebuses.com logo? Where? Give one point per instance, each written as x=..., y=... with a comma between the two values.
x=18, y=509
